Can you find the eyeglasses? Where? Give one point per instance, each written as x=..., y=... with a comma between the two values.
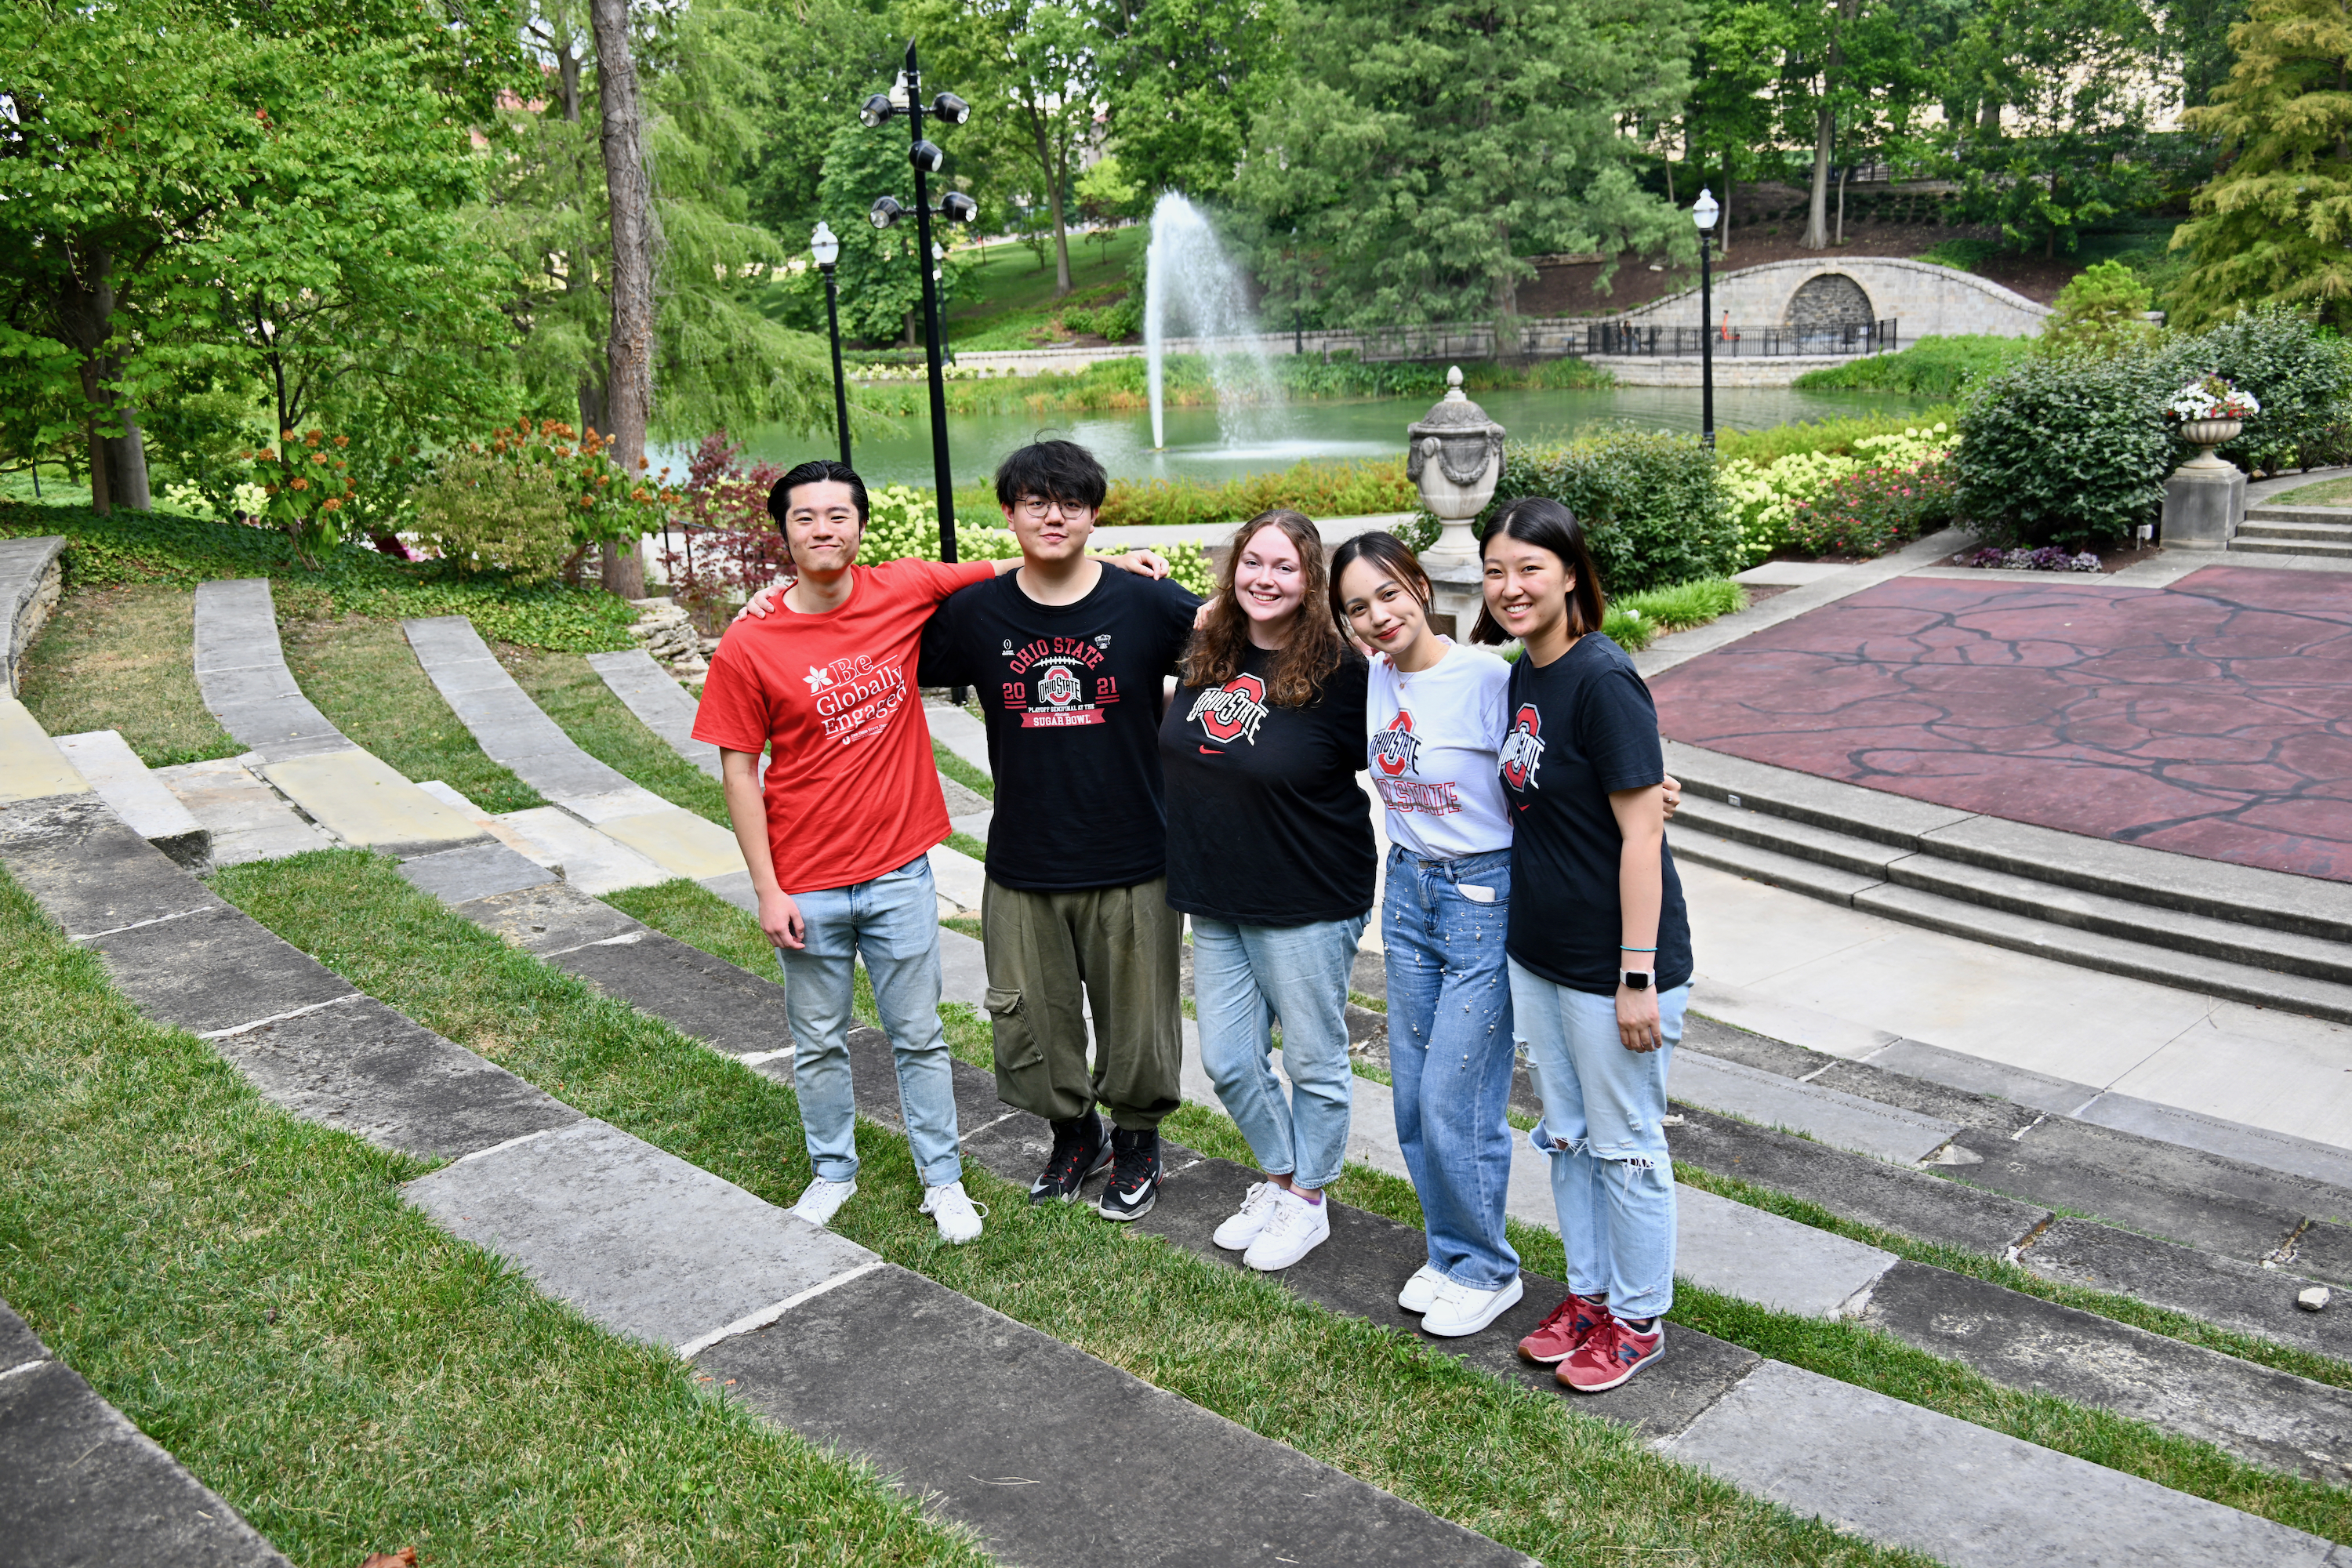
x=1041, y=506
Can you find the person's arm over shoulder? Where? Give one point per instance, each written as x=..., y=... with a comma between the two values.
x=918, y=578
x=733, y=712
x=1177, y=605
x=941, y=662
x=1493, y=708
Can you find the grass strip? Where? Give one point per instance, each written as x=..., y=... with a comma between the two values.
x=1849, y=1351
x=584, y=707
x=976, y=780
x=363, y=676
x=1519, y=1465
x=249, y=1290
x=124, y=658
x=1999, y=1271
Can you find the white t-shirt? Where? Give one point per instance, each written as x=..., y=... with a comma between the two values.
x=1435, y=733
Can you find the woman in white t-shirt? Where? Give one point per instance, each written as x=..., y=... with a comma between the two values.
x=1437, y=722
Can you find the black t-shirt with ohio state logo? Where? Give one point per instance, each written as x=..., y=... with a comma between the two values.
x=1072, y=694
x=1266, y=824
x=1581, y=728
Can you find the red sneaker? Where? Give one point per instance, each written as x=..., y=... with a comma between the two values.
x=1610, y=1354
x=1557, y=1337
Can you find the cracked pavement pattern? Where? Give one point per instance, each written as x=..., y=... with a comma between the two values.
x=2210, y=718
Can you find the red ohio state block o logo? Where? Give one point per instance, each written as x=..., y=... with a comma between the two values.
x=1236, y=708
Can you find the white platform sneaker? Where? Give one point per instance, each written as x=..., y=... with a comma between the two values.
x=1297, y=1228
x=1420, y=1290
x=821, y=1199
x=1257, y=1207
x=1462, y=1310
x=957, y=1216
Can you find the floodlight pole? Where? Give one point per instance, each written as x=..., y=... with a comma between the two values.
x=940, y=474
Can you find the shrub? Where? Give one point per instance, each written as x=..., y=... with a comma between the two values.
x=1635, y=620
x=2065, y=446
x=1871, y=511
x=2301, y=375
x=1652, y=502
x=2102, y=309
x=1839, y=436
x=1318, y=489
x=482, y=513
x=1932, y=367
x=1765, y=497
x=904, y=524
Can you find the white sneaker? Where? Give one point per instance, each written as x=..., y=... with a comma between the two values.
x=1297, y=1228
x=1421, y=1290
x=1461, y=1310
x=821, y=1199
x=958, y=1215
x=1257, y=1207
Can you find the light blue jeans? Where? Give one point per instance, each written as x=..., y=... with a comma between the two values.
x=1449, y=1055
x=1244, y=977
x=894, y=922
x=1604, y=1128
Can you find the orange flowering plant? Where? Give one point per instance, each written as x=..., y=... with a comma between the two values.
x=308, y=484
x=530, y=497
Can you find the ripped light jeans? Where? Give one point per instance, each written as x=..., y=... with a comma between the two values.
x=1603, y=1128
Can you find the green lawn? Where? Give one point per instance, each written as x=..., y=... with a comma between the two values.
x=1010, y=282
x=250, y=1291
x=2328, y=493
x=577, y=698
x=363, y=676
x=1521, y=1466
x=124, y=658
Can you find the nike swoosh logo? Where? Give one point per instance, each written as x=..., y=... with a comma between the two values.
x=1211, y=752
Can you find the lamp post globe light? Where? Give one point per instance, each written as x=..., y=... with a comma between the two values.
x=827, y=249
x=905, y=98
x=1702, y=214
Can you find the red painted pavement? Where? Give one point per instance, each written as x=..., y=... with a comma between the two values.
x=2212, y=717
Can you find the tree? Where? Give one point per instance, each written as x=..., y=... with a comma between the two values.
x=2274, y=225
x=1428, y=151
x=815, y=61
x=1034, y=71
x=1852, y=75
x=1185, y=81
x=881, y=290
x=629, y=207
x=2104, y=309
x=1737, y=50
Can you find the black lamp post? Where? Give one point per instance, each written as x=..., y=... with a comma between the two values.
x=827, y=249
x=1702, y=214
x=956, y=207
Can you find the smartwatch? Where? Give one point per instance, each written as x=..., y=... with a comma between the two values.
x=1636, y=979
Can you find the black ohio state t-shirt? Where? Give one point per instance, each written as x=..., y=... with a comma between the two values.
x=1581, y=728
x=1266, y=824
x=1072, y=694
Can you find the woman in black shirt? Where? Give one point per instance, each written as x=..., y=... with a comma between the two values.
x=1599, y=945
x=1270, y=850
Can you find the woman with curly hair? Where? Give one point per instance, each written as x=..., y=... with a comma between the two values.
x=1270, y=850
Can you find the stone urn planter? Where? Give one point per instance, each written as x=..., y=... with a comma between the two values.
x=2205, y=497
x=1454, y=454
x=2207, y=434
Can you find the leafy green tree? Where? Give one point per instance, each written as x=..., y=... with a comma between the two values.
x=1854, y=77
x=1728, y=113
x=2275, y=223
x=1428, y=151
x=815, y=61
x=1186, y=79
x=881, y=289
x=2103, y=309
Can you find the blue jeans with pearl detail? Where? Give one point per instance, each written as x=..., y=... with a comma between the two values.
x=1451, y=1054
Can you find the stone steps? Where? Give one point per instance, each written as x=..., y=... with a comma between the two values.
x=2237, y=932
x=2324, y=531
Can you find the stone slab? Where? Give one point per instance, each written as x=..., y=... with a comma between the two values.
x=1964, y=1495
x=637, y=1239
x=368, y=1070
x=90, y=872
x=1789, y=573
x=677, y=840
x=962, y=802
x=960, y=878
x=236, y=626
x=1856, y=1188
x=80, y=1486
x=2181, y=1194
x=660, y=704
x=959, y=733
x=603, y=805
x=217, y=969
x=2282, y=1151
x=1977, y=1075
x=963, y=969
x=474, y=871
x=31, y=766
x=593, y=861
x=727, y=1008
x=1831, y=1116
x=247, y=819
x=735, y=887
x=241, y=672
x=32, y=578
x=18, y=1343
x=2223, y=1290
x=975, y=823
x=508, y=725
x=497, y=828
x=146, y=805
x=2325, y=1252
x=2269, y=1418
x=364, y=801
x=549, y=919
x=1756, y=1256
x=1104, y=1469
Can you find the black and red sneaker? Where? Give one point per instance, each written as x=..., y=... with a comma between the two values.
x=1612, y=1353
x=1134, y=1174
x=1078, y=1153
x=1557, y=1336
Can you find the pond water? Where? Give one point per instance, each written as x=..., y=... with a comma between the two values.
x=1273, y=438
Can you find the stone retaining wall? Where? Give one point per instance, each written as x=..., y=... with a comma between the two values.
x=32, y=580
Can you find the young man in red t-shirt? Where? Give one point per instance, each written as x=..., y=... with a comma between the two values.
x=836, y=840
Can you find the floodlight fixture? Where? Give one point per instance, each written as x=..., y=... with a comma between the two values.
x=926, y=156
x=955, y=111
x=885, y=212
x=876, y=109
x=958, y=207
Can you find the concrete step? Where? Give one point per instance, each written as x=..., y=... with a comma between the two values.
x=144, y=801
x=2271, y=512
x=1825, y=846
x=2316, y=550
x=1798, y=873
x=2312, y=532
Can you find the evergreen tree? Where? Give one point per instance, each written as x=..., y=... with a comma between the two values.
x=2275, y=224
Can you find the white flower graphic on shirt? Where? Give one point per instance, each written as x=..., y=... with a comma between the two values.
x=818, y=679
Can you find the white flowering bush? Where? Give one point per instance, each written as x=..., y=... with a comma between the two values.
x=1766, y=496
x=903, y=523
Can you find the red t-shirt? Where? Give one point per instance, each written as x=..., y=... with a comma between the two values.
x=853, y=790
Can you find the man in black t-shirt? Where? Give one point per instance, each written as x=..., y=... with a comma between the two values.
x=1069, y=662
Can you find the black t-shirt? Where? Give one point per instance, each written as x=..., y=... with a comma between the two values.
x=1266, y=824
x=1072, y=694
x=1583, y=727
